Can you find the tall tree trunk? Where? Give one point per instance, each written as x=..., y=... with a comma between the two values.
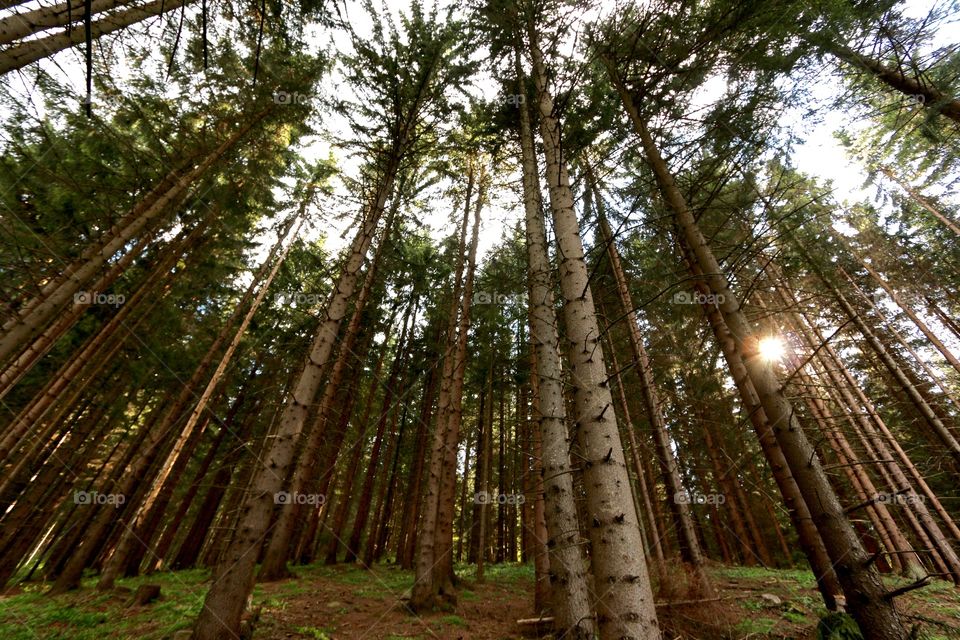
x=866, y=595
x=426, y=587
x=434, y=564
x=655, y=535
x=676, y=494
x=570, y=597
x=274, y=565
x=448, y=486
x=542, y=591
x=227, y=596
x=625, y=606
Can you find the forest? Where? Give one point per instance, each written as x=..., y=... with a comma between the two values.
x=492, y=319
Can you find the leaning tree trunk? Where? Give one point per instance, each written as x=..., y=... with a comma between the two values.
x=43, y=343
x=917, y=321
x=27, y=23
x=159, y=496
x=305, y=474
x=37, y=313
x=843, y=381
x=807, y=534
x=21, y=55
x=920, y=200
x=932, y=97
x=866, y=595
x=227, y=596
x=946, y=437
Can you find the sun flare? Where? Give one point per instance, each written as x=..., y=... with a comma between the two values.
x=772, y=348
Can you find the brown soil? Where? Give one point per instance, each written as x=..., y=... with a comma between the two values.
x=376, y=611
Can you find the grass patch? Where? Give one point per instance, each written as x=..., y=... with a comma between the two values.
x=507, y=572
x=795, y=617
x=314, y=632
x=89, y=615
x=756, y=626
x=454, y=621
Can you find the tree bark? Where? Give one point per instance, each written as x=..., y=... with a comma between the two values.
x=676, y=494
x=570, y=597
x=37, y=313
x=625, y=606
x=21, y=55
x=274, y=566
x=227, y=597
x=434, y=565
x=866, y=595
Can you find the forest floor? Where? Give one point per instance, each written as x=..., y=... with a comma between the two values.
x=345, y=602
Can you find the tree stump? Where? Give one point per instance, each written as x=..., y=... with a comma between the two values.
x=145, y=594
